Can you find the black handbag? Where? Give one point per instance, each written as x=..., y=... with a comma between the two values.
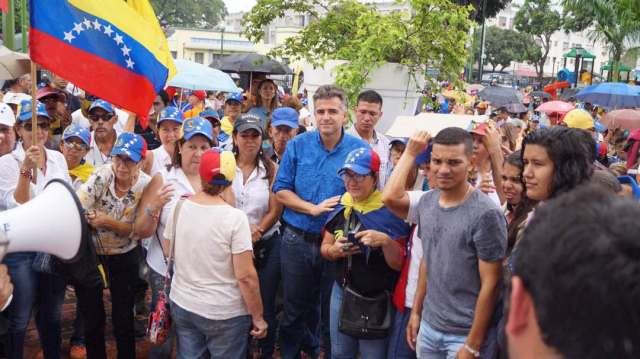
x=361, y=316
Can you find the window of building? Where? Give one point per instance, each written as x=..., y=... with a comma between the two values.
x=555, y=44
x=174, y=54
x=199, y=57
x=565, y=45
x=502, y=21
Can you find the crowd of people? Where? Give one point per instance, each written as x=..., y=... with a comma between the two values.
x=276, y=232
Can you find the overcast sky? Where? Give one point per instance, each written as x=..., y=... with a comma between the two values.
x=239, y=5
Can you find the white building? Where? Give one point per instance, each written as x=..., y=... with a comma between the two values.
x=561, y=43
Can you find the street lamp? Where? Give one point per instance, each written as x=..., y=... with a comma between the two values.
x=221, y=28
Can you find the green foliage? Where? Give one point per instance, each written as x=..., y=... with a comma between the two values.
x=503, y=46
x=538, y=20
x=190, y=13
x=433, y=34
x=614, y=22
x=493, y=8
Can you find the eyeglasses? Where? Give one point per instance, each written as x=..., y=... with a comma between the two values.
x=42, y=125
x=105, y=117
x=357, y=178
x=76, y=146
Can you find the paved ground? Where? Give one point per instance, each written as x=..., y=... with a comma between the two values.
x=32, y=345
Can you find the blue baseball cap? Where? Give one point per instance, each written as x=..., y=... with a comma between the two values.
x=25, y=110
x=131, y=145
x=305, y=102
x=79, y=132
x=197, y=126
x=631, y=182
x=171, y=114
x=395, y=140
x=103, y=105
x=600, y=128
x=238, y=97
x=284, y=116
x=424, y=156
x=210, y=113
x=362, y=161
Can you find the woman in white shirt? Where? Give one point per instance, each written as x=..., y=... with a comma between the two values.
x=215, y=297
x=169, y=127
x=184, y=179
x=252, y=190
x=42, y=291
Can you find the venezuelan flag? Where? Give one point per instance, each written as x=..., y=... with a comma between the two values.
x=113, y=49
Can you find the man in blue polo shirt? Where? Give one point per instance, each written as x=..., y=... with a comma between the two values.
x=309, y=187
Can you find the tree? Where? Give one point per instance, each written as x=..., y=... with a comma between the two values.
x=538, y=20
x=190, y=13
x=432, y=34
x=614, y=22
x=502, y=46
x=493, y=8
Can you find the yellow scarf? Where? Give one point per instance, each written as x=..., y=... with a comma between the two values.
x=372, y=203
x=82, y=171
x=226, y=126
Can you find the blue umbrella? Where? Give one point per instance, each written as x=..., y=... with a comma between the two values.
x=194, y=76
x=611, y=95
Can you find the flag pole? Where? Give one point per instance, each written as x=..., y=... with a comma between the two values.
x=34, y=114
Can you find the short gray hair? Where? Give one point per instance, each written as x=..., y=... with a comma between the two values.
x=326, y=92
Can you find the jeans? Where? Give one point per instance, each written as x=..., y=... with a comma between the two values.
x=122, y=275
x=304, y=278
x=347, y=347
x=42, y=291
x=200, y=338
x=157, y=284
x=398, y=346
x=269, y=277
x=434, y=344
x=77, y=337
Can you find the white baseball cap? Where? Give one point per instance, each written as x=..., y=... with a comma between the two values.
x=15, y=98
x=7, y=117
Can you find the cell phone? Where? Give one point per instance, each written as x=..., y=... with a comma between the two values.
x=351, y=237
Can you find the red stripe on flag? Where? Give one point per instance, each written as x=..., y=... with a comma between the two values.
x=93, y=74
x=4, y=6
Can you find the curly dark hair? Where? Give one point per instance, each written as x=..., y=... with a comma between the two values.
x=572, y=152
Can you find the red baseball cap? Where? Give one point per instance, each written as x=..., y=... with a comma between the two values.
x=215, y=162
x=200, y=94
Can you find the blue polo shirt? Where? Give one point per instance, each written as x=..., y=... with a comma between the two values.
x=310, y=170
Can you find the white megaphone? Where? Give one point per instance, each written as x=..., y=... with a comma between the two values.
x=53, y=222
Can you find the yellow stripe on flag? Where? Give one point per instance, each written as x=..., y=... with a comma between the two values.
x=137, y=19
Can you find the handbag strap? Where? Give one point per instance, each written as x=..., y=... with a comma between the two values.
x=347, y=265
x=172, y=245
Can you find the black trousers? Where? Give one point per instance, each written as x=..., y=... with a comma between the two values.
x=122, y=275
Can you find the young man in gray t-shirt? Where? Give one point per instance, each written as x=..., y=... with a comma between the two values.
x=464, y=239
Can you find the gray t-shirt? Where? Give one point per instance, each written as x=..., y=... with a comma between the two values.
x=453, y=239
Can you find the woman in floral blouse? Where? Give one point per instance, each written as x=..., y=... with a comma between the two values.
x=123, y=205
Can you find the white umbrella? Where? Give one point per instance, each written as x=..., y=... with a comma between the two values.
x=406, y=126
x=194, y=76
x=13, y=64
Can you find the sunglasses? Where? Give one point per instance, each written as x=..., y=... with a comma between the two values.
x=105, y=117
x=42, y=125
x=76, y=146
x=49, y=99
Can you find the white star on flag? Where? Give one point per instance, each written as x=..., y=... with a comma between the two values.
x=68, y=36
x=97, y=25
x=107, y=30
x=118, y=39
x=77, y=27
x=126, y=50
x=130, y=63
x=87, y=23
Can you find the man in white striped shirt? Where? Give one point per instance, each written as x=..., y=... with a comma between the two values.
x=368, y=113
